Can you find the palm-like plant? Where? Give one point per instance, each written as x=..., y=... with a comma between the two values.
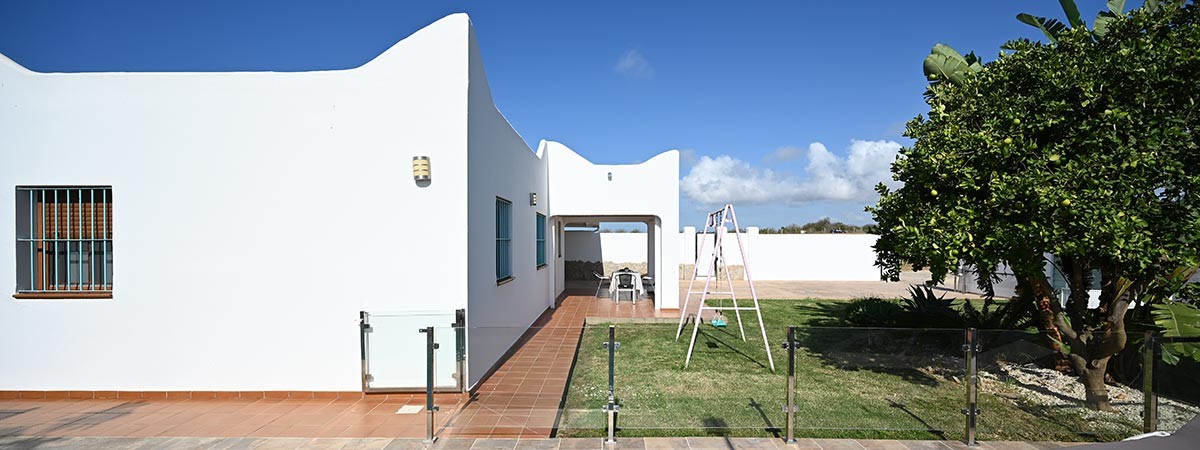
x=1178, y=319
x=1053, y=29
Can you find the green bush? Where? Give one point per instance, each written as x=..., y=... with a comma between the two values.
x=925, y=309
x=872, y=312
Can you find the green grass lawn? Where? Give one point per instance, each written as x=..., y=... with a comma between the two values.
x=856, y=383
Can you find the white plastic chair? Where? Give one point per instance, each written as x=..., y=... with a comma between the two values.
x=601, y=281
x=626, y=283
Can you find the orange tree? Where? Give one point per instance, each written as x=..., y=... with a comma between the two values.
x=1085, y=148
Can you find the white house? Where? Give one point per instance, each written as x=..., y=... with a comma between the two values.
x=228, y=231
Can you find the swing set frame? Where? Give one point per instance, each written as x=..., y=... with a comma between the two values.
x=716, y=221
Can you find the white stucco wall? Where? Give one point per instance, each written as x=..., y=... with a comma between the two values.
x=610, y=247
x=500, y=164
x=255, y=215
x=823, y=257
x=650, y=189
x=801, y=257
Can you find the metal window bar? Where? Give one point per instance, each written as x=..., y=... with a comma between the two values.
x=541, y=240
x=503, y=238
x=65, y=245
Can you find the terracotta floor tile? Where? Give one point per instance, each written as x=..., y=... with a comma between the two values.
x=520, y=399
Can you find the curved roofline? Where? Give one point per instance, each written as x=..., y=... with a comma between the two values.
x=444, y=21
x=546, y=143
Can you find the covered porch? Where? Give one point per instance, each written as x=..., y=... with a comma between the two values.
x=601, y=254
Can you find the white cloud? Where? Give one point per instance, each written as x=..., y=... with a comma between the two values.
x=725, y=179
x=634, y=65
x=785, y=153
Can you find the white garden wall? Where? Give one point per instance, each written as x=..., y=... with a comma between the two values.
x=606, y=247
x=812, y=257
x=824, y=257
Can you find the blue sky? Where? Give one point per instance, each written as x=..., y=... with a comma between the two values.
x=789, y=109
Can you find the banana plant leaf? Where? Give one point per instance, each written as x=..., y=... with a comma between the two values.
x=1072, y=11
x=1050, y=27
x=944, y=63
x=1178, y=320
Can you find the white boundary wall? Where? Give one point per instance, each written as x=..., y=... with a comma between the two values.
x=814, y=257
x=605, y=247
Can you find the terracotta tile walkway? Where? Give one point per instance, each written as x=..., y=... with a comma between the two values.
x=522, y=398
x=371, y=416
x=703, y=443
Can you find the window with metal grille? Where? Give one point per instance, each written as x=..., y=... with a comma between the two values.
x=541, y=240
x=503, y=239
x=64, y=241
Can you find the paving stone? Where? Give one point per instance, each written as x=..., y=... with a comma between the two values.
x=282, y=443
x=368, y=444
x=406, y=444
x=235, y=443
x=188, y=443
x=326, y=444
x=494, y=444
x=926, y=445
x=537, y=444
x=881, y=444
x=839, y=444
x=453, y=444
x=587, y=443
x=709, y=443
x=1008, y=445
x=38, y=442
x=666, y=444
x=801, y=444
x=755, y=443
x=626, y=443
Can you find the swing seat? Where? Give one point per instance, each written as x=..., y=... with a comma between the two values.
x=718, y=322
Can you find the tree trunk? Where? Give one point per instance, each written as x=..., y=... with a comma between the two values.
x=1095, y=391
x=1042, y=298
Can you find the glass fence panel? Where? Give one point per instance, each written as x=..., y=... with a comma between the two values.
x=1176, y=378
x=395, y=351
x=728, y=387
x=1028, y=390
x=879, y=383
x=518, y=377
x=865, y=383
x=587, y=394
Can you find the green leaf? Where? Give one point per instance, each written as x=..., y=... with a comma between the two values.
x=1177, y=319
x=1117, y=7
x=1169, y=356
x=1050, y=27
x=944, y=63
x=1072, y=11
x=1103, y=21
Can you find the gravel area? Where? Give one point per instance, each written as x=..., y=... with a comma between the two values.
x=1049, y=388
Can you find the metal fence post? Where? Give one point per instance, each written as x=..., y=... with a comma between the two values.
x=971, y=350
x=431, y=408
x=611, y=408
x=1150, y=398
x=790, y=407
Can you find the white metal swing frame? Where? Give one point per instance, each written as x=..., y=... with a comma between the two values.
x=716, y=222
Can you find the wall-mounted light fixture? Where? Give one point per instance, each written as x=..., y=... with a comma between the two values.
x=421, y=170
x=533, y=199
x=610, y=176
